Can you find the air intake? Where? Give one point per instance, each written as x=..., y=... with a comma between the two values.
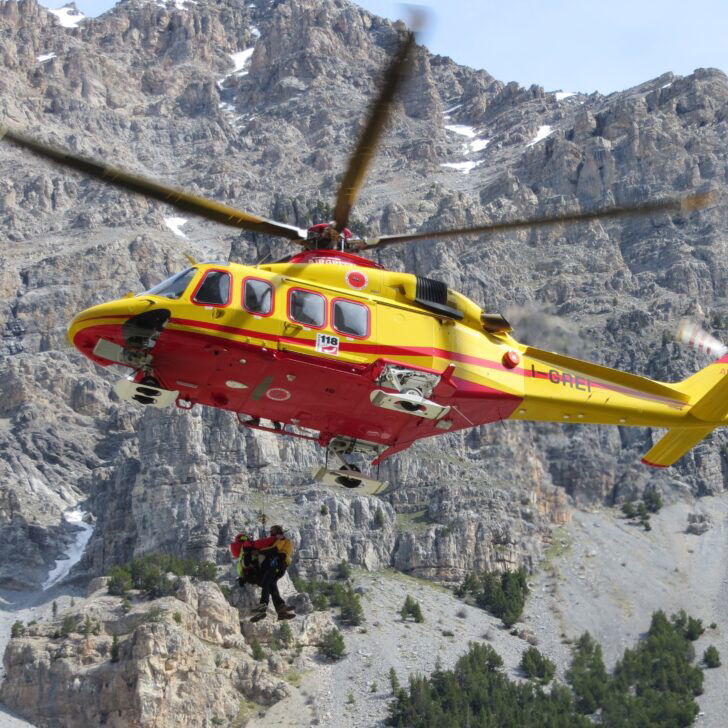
x=431, y=290
x=432, y=296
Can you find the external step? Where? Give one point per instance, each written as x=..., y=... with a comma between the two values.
x=145, y=394
x=410, y=404
x=369, y=486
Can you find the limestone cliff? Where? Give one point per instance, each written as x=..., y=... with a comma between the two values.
x=175, y=661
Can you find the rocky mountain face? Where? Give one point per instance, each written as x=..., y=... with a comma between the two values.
x=179, y=660
x=258, y=106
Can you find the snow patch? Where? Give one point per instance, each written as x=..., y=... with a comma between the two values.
x=561, y=95
x=254, y=32
x=478, y=144
x=46, y=57
x=666, y=85
x=461, y=129
x=542, y=133
x=241, y=60
x=175, y=224
x=452, y=108
x=67, y=16
x=75, y=551
x=470, y=147
x=463, y=167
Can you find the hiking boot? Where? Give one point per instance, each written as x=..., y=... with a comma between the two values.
x=260, y=612
x=284, y=612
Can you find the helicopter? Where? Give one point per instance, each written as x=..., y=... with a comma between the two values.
x=328, y=346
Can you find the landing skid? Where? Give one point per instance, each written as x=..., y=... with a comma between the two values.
x=369, y=486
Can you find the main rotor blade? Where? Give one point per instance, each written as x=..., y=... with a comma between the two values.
x=200, y=206
x=379, y=113
x=687, y=203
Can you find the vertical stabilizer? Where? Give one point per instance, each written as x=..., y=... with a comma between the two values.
x=708, y=391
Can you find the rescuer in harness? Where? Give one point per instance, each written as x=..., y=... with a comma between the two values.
x=262, y=563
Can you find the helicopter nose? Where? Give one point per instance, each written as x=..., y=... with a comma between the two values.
x=126, y=322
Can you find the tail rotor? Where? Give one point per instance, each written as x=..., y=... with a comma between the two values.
x=690, y=334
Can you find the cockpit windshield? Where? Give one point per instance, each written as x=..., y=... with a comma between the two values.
x=174, y=286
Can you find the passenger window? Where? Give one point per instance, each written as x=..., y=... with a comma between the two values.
x=351, y=318
x=214, y=289
x=258, y=297
x=307, y=308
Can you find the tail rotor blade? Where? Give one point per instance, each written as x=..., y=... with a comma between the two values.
x=692, y=335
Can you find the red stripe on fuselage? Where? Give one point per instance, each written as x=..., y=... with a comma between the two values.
x=421, y=351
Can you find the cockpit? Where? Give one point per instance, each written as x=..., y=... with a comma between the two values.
x=174, y=286
x=213, y=289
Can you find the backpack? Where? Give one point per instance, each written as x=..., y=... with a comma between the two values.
x=246, y=558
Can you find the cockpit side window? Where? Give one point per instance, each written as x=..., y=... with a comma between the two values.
x=258, y=296
x=174, y=286
x=214, y=289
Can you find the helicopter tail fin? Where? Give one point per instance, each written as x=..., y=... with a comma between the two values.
x=708, y=389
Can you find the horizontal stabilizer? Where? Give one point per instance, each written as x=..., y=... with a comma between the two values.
x=673, y=445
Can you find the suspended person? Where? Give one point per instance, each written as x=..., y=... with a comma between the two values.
x=276, y=560
x=275, y=551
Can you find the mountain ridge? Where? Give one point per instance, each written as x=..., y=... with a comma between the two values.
x=158, y=90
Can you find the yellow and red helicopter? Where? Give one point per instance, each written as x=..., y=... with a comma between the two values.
x=329, y=346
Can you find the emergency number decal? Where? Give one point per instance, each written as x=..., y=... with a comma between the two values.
x=327, y=344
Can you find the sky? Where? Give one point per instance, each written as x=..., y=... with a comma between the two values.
x=568, y=45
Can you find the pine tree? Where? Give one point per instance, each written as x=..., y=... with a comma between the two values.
x=537, y=666
x=393, y=681
x=285, y=635
x=417, y=613
x=352, y=611
x=257, y=651
x=68, y=626
x=333, y=645
x=711, y=657
x=587, y=674
x=652, y=500
x=115, y=649
x=343, y=570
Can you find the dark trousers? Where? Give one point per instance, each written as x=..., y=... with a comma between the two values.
x=269, y=584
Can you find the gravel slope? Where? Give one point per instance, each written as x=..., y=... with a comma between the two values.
x=604, y=575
